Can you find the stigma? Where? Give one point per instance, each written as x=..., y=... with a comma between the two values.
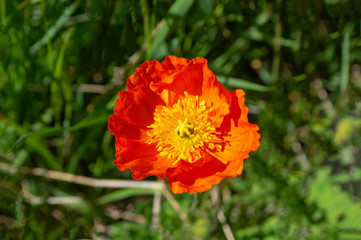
x=185, y=128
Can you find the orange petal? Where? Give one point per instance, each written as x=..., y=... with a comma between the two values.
x=196, y=79
x=141, y=158
x=136, y=107
x=240, y=136
x=121, y=127
x=153, y=71
x=198, y=179
x=175, y=63
x=188, y=79
x=144, y=74
x=239, y=142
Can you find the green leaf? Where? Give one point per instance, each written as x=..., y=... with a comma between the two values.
x=334, y=201
x=347, y=177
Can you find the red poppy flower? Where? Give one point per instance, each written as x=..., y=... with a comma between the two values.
x=177, y=121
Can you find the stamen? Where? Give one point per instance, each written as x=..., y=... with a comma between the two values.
x=185, y=130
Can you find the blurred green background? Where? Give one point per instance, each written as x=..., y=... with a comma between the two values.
x=62, y=63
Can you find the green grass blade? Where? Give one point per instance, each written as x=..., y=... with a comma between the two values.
x=55, y=28
x=244, y=84
x=123, y=194
x=345, y=62
x=238, y=45
x=178, y=9
x=35, y=144
x=91, y=120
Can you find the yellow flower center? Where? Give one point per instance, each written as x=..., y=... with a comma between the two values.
x=185, y=130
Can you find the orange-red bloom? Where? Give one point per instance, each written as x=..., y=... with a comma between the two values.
x=177, y=121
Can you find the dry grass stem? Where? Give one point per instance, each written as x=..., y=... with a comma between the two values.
x=216, y=200
x=87, y=181
x=175, y=205
x=157, y=205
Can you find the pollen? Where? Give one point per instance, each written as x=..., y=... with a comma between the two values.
x=185, y=130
